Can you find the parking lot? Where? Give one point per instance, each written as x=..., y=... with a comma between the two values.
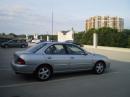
x=114, y=83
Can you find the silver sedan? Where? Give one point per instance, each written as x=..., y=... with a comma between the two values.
x=47, y=58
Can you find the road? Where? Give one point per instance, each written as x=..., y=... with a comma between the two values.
x=114, y=83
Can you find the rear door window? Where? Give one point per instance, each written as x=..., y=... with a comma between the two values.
x=56, y=49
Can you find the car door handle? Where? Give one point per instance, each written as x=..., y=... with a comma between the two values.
x=49, y=58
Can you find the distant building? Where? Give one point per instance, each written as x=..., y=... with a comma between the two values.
x=35, y=39
x=65, y=36
x=105, y=21
x=35, y=36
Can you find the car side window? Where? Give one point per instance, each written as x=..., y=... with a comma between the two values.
x=13, y=41
x=74, y=50
x=18, y=41
x=56, y=49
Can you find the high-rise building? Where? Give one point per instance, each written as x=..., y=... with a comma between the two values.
x=105, y=21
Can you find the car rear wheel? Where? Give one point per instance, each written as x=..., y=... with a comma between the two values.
x=22, y=46
x=43, y=73
x=99, y=67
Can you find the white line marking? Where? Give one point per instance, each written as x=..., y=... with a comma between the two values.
x=16, y=85
x=32, y=83
x=2, y=69
x=114, y=72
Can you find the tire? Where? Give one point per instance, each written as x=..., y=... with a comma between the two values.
x=22, y=46
x=99, y=67
x=43, y=73
x=6, y=46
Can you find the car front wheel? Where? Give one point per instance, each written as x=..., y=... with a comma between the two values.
x=6, y=46
x=99, y=67
x=43, y=73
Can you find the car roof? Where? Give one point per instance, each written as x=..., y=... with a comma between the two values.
x=49, y=42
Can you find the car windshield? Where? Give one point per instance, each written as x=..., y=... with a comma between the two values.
x=36, y=47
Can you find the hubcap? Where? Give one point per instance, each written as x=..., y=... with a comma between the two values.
x=99, y=67
x=44, y=73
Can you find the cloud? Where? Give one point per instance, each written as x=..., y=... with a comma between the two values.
x=12, y=12
x=22, y=13
x=21, y=18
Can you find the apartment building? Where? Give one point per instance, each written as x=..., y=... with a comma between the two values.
x=105, y=21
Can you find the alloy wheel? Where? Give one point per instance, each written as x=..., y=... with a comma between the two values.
x=23, y=46
x=44, y=73
x=99, y=67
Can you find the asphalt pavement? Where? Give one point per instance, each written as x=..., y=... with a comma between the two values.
x=114, y=83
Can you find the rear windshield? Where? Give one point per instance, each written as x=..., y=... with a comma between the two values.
x=36, y=47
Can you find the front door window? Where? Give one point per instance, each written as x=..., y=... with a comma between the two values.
x=74, y=50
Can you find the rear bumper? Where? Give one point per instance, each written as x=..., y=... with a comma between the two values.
x=23, y=69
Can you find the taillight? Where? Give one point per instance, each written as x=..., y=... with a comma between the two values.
x=20, y=61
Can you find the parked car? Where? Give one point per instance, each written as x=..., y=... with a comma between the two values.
x=46, y=58
x=15, y=43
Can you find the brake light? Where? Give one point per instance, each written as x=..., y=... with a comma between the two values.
x=20, y=61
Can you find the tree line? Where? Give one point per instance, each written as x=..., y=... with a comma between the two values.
x=106, y=37
x=30, y=37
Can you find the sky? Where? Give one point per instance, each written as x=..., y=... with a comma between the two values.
x=35, y=16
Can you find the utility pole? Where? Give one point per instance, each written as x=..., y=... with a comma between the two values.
x=95, y=40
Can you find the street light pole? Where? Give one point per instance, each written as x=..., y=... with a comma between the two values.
x=52, y=25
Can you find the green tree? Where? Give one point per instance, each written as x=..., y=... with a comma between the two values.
x=22, y=36
x=106, y=37
x=12, y=35
x=53, y=37
x=78, y=36
x=128, y=45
